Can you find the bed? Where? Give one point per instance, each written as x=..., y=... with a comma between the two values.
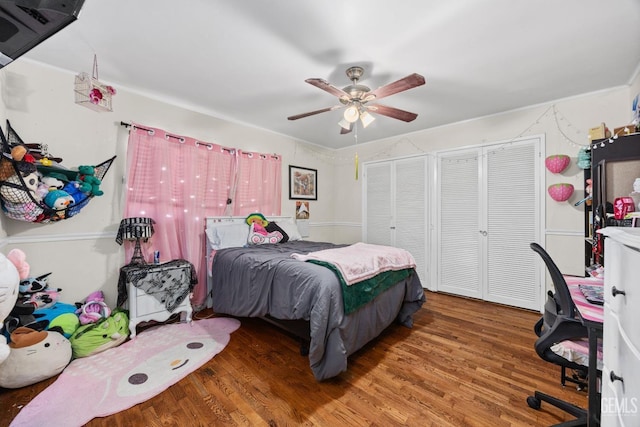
x=307, y=298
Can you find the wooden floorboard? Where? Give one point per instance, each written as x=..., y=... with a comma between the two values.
x=464, y=363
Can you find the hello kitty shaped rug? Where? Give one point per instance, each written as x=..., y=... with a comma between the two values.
x=121, y=377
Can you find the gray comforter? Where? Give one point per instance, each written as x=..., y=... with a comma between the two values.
x=264, y=280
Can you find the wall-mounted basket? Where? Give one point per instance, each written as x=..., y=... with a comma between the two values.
x=557, y=163
x=91, y=93
x=560, y=192
x=18, y=191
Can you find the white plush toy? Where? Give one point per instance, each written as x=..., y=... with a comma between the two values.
x=32, y=355
x=9, y=283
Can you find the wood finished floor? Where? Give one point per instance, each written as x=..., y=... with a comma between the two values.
x=464, y=363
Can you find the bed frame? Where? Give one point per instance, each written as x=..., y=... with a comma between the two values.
x=299, y=329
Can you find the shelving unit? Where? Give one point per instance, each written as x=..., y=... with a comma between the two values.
x=614, y=168
x=588, y=225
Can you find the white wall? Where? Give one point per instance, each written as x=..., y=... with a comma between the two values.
x=81, y=252
x=564, y=222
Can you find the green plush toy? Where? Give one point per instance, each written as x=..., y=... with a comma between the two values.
x=89, y=183
x=96, y=337
x=258, y=218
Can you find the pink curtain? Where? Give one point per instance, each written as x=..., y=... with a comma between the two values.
x=258, y=185
x=179, y=181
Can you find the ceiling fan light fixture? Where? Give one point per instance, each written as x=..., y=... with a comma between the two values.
x=351, y=114
x=344, y=124
x=366, y=118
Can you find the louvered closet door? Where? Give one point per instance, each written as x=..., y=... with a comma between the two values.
x=378, y=203
x=513, y=222
x=410, y=210
x=459, y=268
x=489, y=211
x=394, y=207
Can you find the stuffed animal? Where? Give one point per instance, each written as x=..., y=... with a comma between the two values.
x=21, y=315
x=93, y=309
x=257, y=218
x=73, y=188
x=60, y=317
x=97, y=337
x=30, y=285
x=23, y=189
x=9, y=282
x=34, y=356
x=258, y=234
x=90, y=184
x=262, y=237
x=30, y=211
x=58, y=200
x=42, y=299
x=52, y=183
x=19, y=260
x=36, y=291
x=6, y=164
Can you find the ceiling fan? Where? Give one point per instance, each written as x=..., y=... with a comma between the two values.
x=356, y=98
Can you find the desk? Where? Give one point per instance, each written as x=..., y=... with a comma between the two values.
x=592, y=317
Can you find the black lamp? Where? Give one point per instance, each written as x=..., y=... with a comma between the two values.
x=135, y=229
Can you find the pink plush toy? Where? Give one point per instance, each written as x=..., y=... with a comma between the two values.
x=19, y=260
x=93, y=309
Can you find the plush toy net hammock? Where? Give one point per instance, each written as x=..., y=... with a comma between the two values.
x=24, y=193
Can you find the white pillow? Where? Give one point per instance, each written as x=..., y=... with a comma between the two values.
x=290, y=228
x=228, y=235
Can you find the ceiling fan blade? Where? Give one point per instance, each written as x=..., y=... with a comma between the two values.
x=394, y=113
x=409, y=82
x=328, y=87
x=312, y=113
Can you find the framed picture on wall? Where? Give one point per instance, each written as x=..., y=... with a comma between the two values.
x=303, y=183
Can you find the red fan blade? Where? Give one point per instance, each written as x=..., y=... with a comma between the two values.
x=409, y=82
x=328, y=87
x=311, y=113
x=394, y=113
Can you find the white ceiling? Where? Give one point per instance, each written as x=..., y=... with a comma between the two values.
x=247, y=61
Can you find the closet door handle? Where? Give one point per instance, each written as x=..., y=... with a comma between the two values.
x=615, y=291
x=484, y=233
x=613, y=377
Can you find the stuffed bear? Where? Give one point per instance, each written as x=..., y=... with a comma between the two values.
x=89, y=183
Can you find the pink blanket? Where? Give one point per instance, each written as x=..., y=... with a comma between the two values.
x=362, y=261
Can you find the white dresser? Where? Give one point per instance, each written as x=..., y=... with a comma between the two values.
x=144, y=307
x=148, y=289
x=620, y=404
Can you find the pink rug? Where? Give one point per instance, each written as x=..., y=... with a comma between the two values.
x=119, y=378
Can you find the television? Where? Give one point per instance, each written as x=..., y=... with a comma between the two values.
x=26, y=23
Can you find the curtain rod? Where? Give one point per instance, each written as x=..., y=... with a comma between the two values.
x=209, y=145
x=230, y=150
x=128, y=125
